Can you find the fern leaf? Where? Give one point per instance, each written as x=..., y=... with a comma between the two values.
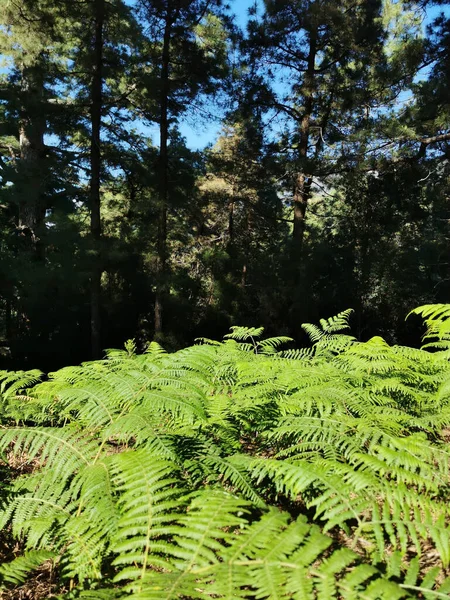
x=17, y=571
x=146, y=501
x=244, y=333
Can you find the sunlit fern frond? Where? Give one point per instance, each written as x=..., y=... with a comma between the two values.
x=157, y=470
x=147, y=499
x=62, y=451
x=17, y=571
x=437, y=321
x=328, y=335
x=13, y=382
x=243, y=334
x=337, y=323
x=298, y=353
x=232, y=473
x=155, y=350
x=272, y=558
x=272, y=345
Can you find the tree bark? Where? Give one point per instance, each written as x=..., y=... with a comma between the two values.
x=96, y=166
x=163, y=167
x=32, y=152
x=302, y=180
x=247, y=250
x=231, y=223
x=425, y=142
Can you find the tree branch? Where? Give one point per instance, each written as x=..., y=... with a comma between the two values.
x=425, y=142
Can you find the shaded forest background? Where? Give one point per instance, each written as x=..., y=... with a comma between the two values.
x=327, y=188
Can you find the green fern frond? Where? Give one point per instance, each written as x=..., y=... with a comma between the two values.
x=298, y=353
x=271, y=345
x=155, y=350
x=432, y=312
x=62, y=451
x=231, y=470
x=11, y=383
x=337, y=323
x=314, y=332
x=328, y=327
x=242, y=334
x=147, y=500
x=17, y=571
x=207, y=342
x=270, y=559
x=436, y=318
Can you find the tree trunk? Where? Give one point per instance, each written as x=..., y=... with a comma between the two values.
x=302, y=188
x=303, y=180
x=231, y=223
x=247, y=244
x=96, y=164
x=163, y=167
x=32, y=152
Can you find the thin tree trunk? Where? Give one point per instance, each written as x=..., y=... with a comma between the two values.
x=302, y=187
x=303, y=183
x=244, y=276
x=302, y=180
x=161, y=268
x=247, y=234
x=32, y=152
x=8, y=321
x=231, y=223
x=230, y=241
x=96, y=164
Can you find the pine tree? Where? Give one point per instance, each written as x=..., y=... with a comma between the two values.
x=103, y=67
x=185, y=54
x=243, y=219
x=65, y=95
x=329, y=64
x=30, y=36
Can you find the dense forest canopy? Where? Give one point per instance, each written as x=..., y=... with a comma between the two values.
x=327, y=187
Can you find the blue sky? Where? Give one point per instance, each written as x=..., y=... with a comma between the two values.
x=240, y=8
x=198, y=134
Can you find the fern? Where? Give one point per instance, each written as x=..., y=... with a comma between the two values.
x=216, y=553
x=437, y=321
x=156, y=475
x=17, y=571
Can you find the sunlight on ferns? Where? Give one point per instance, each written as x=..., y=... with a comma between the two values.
x=235, y=470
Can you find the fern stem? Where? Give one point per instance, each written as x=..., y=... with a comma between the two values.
x=416, y=588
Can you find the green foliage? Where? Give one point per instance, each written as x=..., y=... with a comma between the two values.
x=436, y=318
x=17, y=571
x=374, y=151
x=228, y=470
